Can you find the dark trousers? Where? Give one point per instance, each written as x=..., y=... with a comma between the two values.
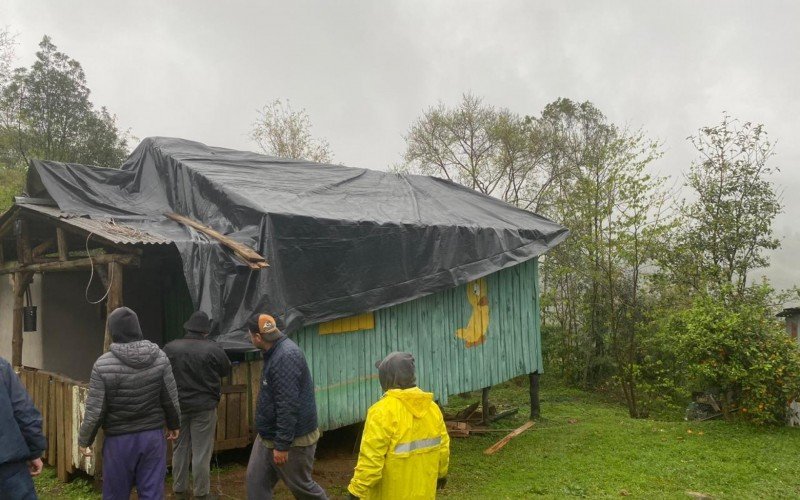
x=16, y=482
x=138, y=458
x=263, y=474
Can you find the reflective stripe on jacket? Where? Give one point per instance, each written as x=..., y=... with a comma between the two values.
x=405, y=448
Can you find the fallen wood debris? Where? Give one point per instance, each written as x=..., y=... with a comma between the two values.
x=457, y=429
x=504, y=414
x=516, y=432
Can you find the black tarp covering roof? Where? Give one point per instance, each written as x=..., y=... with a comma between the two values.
x=339, y=240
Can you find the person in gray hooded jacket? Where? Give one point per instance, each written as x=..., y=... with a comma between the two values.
x=133, y=397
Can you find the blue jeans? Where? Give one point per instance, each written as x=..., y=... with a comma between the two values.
x=16, y=482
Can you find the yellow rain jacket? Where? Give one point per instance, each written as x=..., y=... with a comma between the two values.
x=404, y=450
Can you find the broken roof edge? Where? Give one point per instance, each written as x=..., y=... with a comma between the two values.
x=107, y=228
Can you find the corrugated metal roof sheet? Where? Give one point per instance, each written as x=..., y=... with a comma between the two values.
x=110, y=229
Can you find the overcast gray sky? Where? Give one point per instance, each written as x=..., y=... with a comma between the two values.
x=364, y=70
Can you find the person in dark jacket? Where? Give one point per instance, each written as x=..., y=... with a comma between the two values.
x=21, y=439
x=198, y=364
x=132, y=396
x=286, y=417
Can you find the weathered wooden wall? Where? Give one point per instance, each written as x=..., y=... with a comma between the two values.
x=62, y=402
x=343, y=364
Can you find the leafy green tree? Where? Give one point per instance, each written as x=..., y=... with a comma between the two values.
x=282, y=131
x=46, y=113
x=597, y=285
x=729, y=221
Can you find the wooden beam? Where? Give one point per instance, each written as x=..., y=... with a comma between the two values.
x=245, y=253
x=23, y=243
x=70, y=265
x=516, y=432
x=21, y=282
x=41, y=248
x=63, y=249
x=81, y=232
x=114, y=300
x=8, y=224
x=485, y=405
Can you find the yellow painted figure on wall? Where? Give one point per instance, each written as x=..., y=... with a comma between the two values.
x=474, y=334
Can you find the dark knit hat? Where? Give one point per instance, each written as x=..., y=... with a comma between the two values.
x=123, y=324
x=397, y=371
x=198, y=323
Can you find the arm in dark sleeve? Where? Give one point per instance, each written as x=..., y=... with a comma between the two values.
x=222, y=362
x=169, y=398
x=289, y=371
x=95, y=409
x=27, y=416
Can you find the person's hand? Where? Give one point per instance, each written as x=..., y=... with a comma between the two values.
x=441, y=482
x=280, y=457
x=35, y=466
x=86, y=452
x=172, y=434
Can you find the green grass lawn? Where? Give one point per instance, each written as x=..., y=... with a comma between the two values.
x=587, y=447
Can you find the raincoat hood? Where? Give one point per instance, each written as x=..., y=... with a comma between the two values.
x=397, y=371
x=139, y=354
x=416, y=401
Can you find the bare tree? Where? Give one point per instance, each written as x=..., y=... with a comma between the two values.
x=282, y=131
x=489, y=149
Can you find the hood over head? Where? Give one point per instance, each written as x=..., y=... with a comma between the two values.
x=397, y=371
x=139, y=354
x=123, y=324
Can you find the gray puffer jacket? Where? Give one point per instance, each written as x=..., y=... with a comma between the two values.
x=131, y=390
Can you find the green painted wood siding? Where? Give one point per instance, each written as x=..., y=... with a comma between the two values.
x=343, y=364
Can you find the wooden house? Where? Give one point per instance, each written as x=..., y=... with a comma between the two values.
x=471, y=325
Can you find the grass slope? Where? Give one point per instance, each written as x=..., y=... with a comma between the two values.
x=585, y=447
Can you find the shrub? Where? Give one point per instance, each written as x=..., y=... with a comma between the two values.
x=735, y=345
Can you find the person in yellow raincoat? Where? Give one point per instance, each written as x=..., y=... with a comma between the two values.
x=405, y=448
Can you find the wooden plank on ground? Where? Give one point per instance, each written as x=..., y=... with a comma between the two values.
x=516, y=432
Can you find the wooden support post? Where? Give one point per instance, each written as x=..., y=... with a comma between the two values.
x=23, y=243
x=21, y=282
x=485, y=404
x=535, y=408
x=114, y=300
x=61, y=239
